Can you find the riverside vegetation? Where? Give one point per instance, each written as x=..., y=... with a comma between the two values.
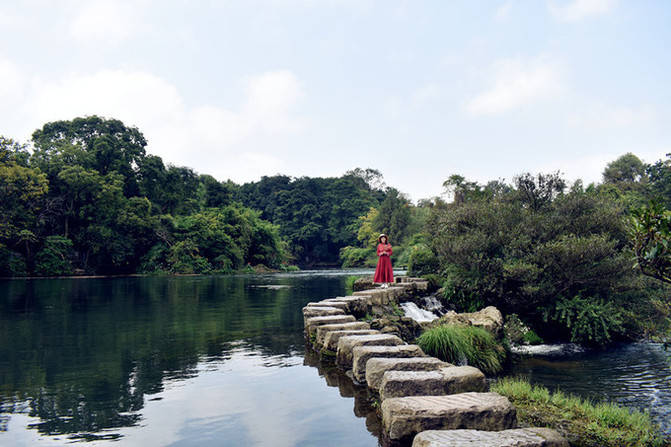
x=583, y=423
x=84, y=197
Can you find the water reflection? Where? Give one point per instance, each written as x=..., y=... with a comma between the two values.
x=102, y=359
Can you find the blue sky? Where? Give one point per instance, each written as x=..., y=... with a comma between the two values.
x=418, y=90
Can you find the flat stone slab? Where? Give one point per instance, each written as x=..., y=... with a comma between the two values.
x=357, y=305
x=347, y=344
x=376, y=367
x=450, y=380
x=382, y=297
x=312, y=323
x=329, y=303
x=314, y=311
x=361, y=355
x=518, y=437
x=331, y=338
x=326, y=328
x=403, y=417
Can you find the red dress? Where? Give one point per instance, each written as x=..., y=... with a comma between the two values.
x=383, y=271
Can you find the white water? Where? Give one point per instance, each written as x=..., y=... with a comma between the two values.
x=420, y=315
x=548, y=350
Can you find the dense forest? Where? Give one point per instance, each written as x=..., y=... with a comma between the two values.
x=86, y=198
x=587, y=263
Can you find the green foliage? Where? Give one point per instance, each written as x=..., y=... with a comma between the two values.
x=459, y=344
x=525, y=247
x=54, y=258
x=357, y=257
x=650, y=234
x=517, y=332
x=317, y=216
x=584, y=423
x=422, y=261
x=90, y=181
x=12, y=263
x=349, y=284
x=590, y=321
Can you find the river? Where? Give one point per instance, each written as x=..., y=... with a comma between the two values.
x=192, y=361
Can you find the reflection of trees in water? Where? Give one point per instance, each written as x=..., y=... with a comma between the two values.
x=364, y=398
x=82, y=354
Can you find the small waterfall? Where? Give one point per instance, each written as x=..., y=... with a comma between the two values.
x=432, y=304
x=547, y=350
x=420, y=315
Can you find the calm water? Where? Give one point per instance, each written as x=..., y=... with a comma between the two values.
x=172, y=362
x=635, y=375
x=221, y=361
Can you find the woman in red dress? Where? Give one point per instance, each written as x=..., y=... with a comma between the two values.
x=383, y=272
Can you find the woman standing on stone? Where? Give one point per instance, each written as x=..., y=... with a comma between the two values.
x=383, y=272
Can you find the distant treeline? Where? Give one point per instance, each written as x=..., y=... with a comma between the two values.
x=87, y=198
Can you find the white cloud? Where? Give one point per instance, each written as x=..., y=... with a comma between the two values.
x=577, y=10
x=503, y=12
x=516, y=83
x=205, y=137
x=112, y=21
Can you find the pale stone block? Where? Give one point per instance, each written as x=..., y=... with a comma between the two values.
x=403, y=417
x=376, y=367
x=348, y=343
x=450, y=380
x=331, y=338
x=361, y=355
x=518, y=437
x=325, y=329
x=313, y=311
x=312, y=323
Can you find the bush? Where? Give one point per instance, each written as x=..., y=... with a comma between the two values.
x=422, y=261
x=357, y=257
x=54, y=258
x=460, y=345
x=583, y=423
x=590, y=321
x=12, y=263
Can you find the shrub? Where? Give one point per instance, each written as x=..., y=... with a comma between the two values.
x=12, y=263
x=357, y=257
x=54, y=258
x=464, y=345
x=590, y=321
x=422, y=261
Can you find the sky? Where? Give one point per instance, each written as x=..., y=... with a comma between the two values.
x=419, y=90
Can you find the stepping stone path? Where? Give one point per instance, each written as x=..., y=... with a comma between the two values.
x=424, y=401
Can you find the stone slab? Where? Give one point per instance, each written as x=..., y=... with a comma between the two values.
x=313, y=311
x=403, y=417
x=361, y=355
x=356, y=305
x=347, y=344
x=325, y=329
x=376, y=367
x=450, y=380
x=518, y=437
x=331, y=338
x=312, y=323
x=329, y=303
x=382, y=297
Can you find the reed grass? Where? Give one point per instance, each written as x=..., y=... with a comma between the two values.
x=583, y=423
x=460, y=345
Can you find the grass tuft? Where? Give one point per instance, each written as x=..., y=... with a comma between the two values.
x=463, y=345
x=582, y=422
